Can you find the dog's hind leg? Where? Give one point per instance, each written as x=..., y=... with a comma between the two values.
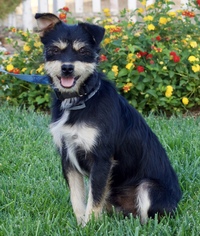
x=133, y=200
x=77, y=194
x=143, y=201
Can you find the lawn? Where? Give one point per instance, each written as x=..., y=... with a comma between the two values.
x=34, y=199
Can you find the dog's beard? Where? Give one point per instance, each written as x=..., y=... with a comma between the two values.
x=82, y=70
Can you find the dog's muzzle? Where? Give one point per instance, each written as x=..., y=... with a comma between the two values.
x=67, y=79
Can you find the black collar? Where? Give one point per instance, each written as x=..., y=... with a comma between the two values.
x=76, y=101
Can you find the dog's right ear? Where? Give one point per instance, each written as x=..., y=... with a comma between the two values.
x=46, y=22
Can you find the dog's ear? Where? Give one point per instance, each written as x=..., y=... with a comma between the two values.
x=46, y=22
x=97, y=32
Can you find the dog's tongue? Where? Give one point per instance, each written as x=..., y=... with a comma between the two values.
x=67, y=82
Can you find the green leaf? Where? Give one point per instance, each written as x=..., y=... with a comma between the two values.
x=171, y=74
x=140, y=86
x=146, y=80
x=182, y=82
x=40, y=100
x=111, y=75
x=123, y=72
x=152, y=92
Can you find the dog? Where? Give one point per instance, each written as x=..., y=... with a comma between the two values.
x=98, y=134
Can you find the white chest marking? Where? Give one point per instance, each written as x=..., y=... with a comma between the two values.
x=79, y=135
x=56, y=129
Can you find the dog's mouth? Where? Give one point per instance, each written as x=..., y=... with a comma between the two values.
x=68, y=81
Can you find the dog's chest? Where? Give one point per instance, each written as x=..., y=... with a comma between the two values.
x=74, y=137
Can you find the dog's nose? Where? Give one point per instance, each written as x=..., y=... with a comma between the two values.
x=67, y=69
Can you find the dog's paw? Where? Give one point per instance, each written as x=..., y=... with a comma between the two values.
x=81, y=220
x=95, y=213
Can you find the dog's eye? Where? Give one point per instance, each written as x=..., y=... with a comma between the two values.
x=53, y=50
x=56, y=50
x=83, y=51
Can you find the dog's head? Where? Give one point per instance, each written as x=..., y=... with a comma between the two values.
x=71, y=51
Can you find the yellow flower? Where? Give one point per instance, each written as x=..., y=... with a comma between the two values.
x=125, y=37
x=196, y=68
x=32, y=71
x=26, y=48
x=24, y=34
x=108, y=20
x=137, y=34
x=192, y=59
x=115, y=70
x=168, y=19
x=106, y=27
x=169, y=91
x=37, y=44
x=184, y=41
x=172, y=13
x=185, y=100
x=163, y=20
x=109, y=27
x=107, y=14
x=23, y=70
x=140, y=10
x=150, y=27
x=127, y=87
x=9, y=67
x=169, y=88
x=158, y=49
x=168, y=94
x=193, y=44
x=130, y=24
x=188, y=37
x=107, y=41
x=144, y=2
x=148, y=18
x=151, y=6
x=130, y=57
x=106, y=10
x=129, y=65
x=40, y=69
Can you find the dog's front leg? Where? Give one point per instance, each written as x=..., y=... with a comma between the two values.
x=98, y=188
x=77, y=194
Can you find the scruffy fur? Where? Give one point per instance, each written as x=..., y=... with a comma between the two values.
x=98, y=134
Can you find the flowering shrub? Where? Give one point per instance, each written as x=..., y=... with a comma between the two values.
x=28, y=59
x=153, y=61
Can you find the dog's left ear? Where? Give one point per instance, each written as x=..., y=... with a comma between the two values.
x=97, y=32
x=46, y=22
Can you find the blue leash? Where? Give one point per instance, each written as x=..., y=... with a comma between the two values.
x=36, y=79
x=45, y=79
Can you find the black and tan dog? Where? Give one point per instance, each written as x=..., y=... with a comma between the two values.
x=99, y=134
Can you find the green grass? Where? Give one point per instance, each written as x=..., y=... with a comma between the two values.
x=34, y=199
